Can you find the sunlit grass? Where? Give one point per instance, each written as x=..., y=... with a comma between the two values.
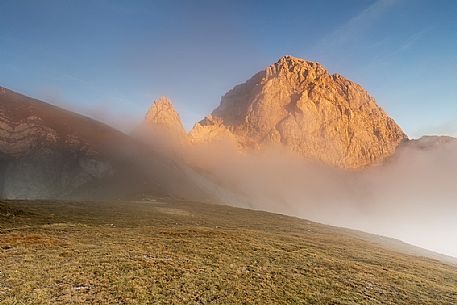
x=171, y=252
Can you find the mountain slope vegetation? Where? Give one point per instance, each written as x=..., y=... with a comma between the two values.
x=164, y=251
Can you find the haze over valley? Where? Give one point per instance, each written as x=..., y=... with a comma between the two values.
x=237, y=152
x=293, y=139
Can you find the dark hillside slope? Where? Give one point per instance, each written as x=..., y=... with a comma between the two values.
x=48, y=152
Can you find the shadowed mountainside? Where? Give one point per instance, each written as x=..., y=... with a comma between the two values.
x=48, y=152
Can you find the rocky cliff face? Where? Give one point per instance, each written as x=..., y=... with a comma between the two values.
x=298, y=104
x=162, y=115
x=210, y=130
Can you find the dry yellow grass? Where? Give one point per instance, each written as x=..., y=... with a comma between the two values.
x=171, y=252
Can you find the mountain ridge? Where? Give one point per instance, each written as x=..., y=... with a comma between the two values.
x=49, y=152
x=298, y=104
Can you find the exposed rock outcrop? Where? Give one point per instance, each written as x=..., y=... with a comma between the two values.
x=298, y=104
x=209, y=130
x=162, y=115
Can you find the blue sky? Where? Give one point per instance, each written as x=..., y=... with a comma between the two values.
x=111, y=59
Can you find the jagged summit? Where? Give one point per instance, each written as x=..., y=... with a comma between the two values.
x=292, y=60
x=162, y=101
x=300, y=105
x=163, y=115
x=288, y=64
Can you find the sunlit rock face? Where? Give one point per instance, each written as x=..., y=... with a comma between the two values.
x=210, y=130
x=162, y=129
x=162, y=115
x=299, y=105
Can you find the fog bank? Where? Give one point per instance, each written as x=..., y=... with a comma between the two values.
x=413, y=197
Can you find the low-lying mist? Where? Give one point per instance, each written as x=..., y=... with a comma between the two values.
x=411, y=197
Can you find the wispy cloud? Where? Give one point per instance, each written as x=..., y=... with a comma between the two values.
x=411, y=40
x=385, y=57
x=355, y=27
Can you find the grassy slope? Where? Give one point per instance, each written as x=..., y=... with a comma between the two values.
x=170, y=252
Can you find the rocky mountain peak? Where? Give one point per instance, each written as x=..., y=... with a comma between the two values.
x=299, y=105
x=293, y=66
x=163, y=115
